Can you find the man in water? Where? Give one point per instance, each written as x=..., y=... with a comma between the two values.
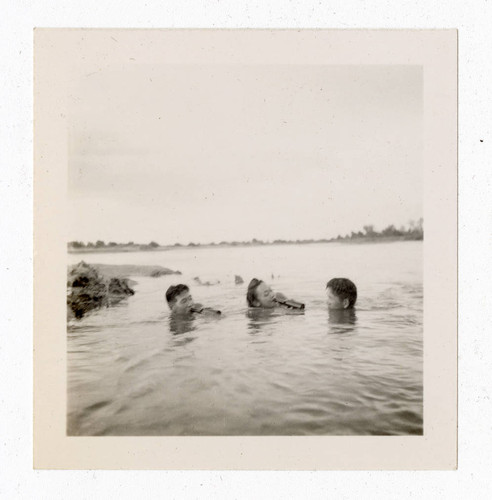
x=181, y=302
x=259, y=294
x=341, y=293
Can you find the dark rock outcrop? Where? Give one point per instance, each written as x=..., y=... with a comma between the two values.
x=88, y=289
x=119, y=287
x=238, y=280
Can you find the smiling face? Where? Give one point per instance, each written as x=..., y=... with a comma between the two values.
x=181, y=304
x=334, y=301
x=264, y=296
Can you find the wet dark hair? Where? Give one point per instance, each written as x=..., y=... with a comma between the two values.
x=251, y=293
x=174, y=290
x=344, y=289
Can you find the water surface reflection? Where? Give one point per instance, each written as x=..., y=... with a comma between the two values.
x=341, y=320
x=179, y=326
x=259, y=318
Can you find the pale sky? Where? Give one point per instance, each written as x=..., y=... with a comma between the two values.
x=177, y=153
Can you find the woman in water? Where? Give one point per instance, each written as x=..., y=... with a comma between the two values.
x=259, y=294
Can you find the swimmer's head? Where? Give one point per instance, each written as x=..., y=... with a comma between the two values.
x=341, y=293
x=179, y=299
x=259, y=294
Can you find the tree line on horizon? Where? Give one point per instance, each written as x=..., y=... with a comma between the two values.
x=414, y=231
x=111, y=244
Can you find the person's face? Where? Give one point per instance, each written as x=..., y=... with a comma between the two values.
x=334, y=301
x=182, y=304
x=265, y=296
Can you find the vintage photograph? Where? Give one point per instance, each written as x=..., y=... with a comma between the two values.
x=245, y=250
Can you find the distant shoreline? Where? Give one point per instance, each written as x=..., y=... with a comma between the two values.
x=141, y=248
x=118, y=249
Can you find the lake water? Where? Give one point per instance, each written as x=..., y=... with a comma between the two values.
x=134, y=371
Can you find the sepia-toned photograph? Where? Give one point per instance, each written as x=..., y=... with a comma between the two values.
x=244, y=238
x=245, y=251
